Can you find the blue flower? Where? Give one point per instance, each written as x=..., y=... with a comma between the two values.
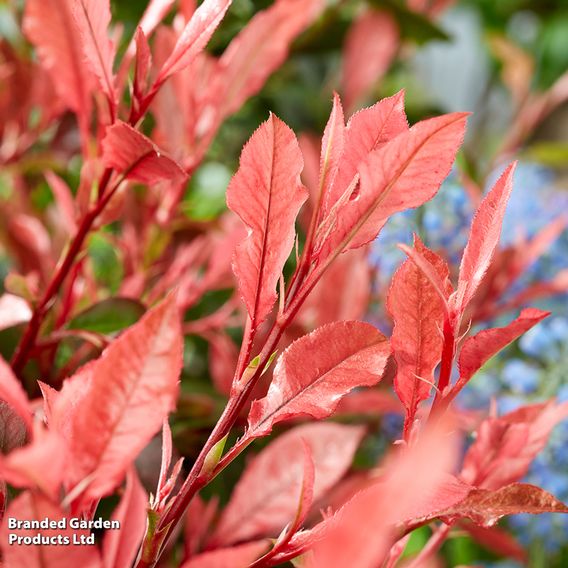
x=521, y=377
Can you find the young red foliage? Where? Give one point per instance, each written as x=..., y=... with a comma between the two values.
x=483, y=239
x=135, y=386
x=194, y=37
x=51, y=27
x=240, y=556
x=403, y=173
x=137, y=157
x=41, y=464
x=370, y=47
x=505, y=447
x=267, y=495
x=355, y=355
x=266, y=193
x=368, y=170
x=367, y=130
x=120, y=547
x=418, y=314
x=496, y=539
x=477, y=350
x=361, y=532
x=486, y=507
x=93, y=20
x=257, y=51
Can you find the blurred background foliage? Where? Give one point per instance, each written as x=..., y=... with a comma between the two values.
x=484, y=56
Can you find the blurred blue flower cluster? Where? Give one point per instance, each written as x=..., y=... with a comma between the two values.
x=534, y=369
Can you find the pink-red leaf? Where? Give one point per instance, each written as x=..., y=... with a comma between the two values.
x=402, y=174
x=486, y=507
x=341, y=356
x=142, y=65
x=370, y=46
x=28, y=506
x=240, y=556
x=51, y=27
x=496, y=540
x=418, y=315
x=266, y=497
x=505, y=447
x=442, y=288
x=137, y=157
x=367, y=130
x=342, y=293
x=483, y=239
x=258, y=50
x=194, y=37
x=363, y=530
x=93, y=21
x=41, y=464
x=266, y=193
x=332, y=148
x=64, y=199
x=132, y=388
x=121, y=546
x=477, y=350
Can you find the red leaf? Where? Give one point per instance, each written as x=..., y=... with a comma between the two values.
x=142, y=63
x=137, y=157
x=505, y=447
x=11, y=391
x=40, y=464
x=121, y=546
x=64, y=199
x=306, y=501
x=369, y=401
x=133, y=387
x=93, y=21
x=418, y=315
x=483, y=239
x=259, y=49
x=370, y=46
x=28, y=506
x=223, y=356
x=496, y=540
x=50, y=26
x=486, y=507
x=402, y=174
x=442, y=288
x=332, y=148
x=266, y=193
x=367, y=130
x=363, y=530
x=236, y=557
x=155, y=12
x=194, y=37
x=266, y=497
x=198, y=519
x=477, y=350
x=342, y=356
x=342, y=293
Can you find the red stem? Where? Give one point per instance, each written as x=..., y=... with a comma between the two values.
x=195, y=481
x=448, y=353
x=27, y=344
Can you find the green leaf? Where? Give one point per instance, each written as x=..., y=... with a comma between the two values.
x=108, y=316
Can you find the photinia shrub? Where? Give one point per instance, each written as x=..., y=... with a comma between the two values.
x=93, y=356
